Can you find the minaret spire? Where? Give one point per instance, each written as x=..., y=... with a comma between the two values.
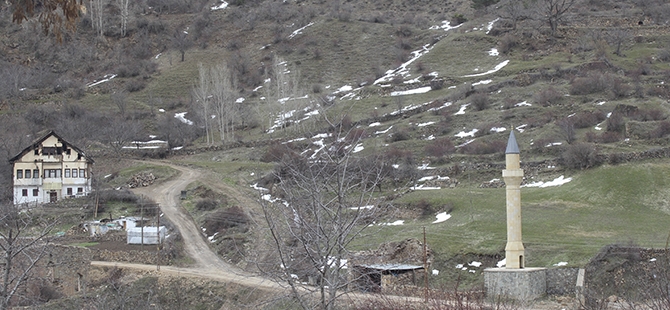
x=513, y=175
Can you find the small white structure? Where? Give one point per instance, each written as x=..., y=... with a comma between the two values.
x=151, y=235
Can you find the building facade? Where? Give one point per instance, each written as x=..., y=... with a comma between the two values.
x=50, y=169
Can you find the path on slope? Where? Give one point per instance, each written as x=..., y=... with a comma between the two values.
x=207, y=263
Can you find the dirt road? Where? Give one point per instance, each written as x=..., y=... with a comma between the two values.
x=207, y=263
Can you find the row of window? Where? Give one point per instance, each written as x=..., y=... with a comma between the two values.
x=36, y=192
x=50, y=173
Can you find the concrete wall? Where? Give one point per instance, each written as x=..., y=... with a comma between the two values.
x=520, y=284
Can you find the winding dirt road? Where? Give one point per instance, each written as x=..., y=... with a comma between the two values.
x=207, y=264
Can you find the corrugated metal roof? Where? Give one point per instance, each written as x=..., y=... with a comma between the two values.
x=391, y=266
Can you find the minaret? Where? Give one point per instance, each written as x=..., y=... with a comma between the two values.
x=514, y=253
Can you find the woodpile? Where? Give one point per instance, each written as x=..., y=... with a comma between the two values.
x=141, y=180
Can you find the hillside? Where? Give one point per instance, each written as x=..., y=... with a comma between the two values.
x=434, y=87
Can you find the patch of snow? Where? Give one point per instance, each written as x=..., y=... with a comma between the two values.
x=446, y=104
x=462, y=110
x=494, y=52
x=459, y=266
x=446, y=26
x=553, y=144
x=431, y=137
x=107, y=176
x=496, y=69
x=359, y=147
x=425, y=166
x=490, y=25
x=383, y=131
x=521, y=128
x=424, y=188
x=561, y=264
x=105, y=78
x=498, y=129
x=502, y=263
x=601, y=102
x=556, y=182
x=466, y=143
x=374, y=124
x=396, y=223
x=159, y=55
x=436, y=272
x=403, y=70
x=420, y=90
x=484, y=82
x=523, y=104
x=425, y=124
x=363, y=207
x=220, y=6
x=182, y=118
x=441, y=217
x=475, y=264
x=299, y=30
x=257, y=88
x=464, y=134
x=652, y=259
x=240, y=100
x=472, y=271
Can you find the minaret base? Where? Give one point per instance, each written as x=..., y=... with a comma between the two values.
x=519, y=284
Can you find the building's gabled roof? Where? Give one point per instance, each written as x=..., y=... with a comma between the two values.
x=36, y=142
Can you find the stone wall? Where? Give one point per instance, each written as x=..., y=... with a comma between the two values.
x=561, y=281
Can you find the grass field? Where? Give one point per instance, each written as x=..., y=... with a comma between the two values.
x=612, y=204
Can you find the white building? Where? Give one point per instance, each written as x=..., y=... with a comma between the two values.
x=50, y=169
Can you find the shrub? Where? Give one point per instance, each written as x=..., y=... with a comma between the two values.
x=206, y=204
x=664, y=55
x=548, y=96
x=610, y=137
x=620, y=88
x=276, y=152
x=507, y=43
x=436, y=84
x=459, y=19
x=580, y=156
x=588, y=119
x=592, y=83
x=233, y=218
x=400, y=135
x=440, y=147
x=661, y=130
x=480, y=101
x=616, y=122
x=135, y=85
x=481, y=148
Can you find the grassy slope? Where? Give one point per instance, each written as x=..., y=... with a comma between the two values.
x=610, y=204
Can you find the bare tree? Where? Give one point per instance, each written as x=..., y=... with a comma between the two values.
x=203, y=96
x=96, y=9
x=553, y=12
x=23, y=241
x=618, y=37
x=323, y=209
x=567, y=130
x=120, y=99
x=120, y=132
x=181, y=42
x=124, y=10
x=223, y=96
x=283, y=95
x=515, y=11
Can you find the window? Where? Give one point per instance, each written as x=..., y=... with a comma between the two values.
x=36, y=173
x=67, y=173
x=36, y=192
x=74, y=173
x=24, y=192
x=80, y=190
x=58, y=172
x=27, y=173
x=19, y=174
x=82, y=173
x=69, y=191
x=37, y=152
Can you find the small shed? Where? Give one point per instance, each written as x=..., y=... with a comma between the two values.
x=382, y=277
x=145, y=235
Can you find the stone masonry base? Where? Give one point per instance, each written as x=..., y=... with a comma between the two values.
x=520, y=284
